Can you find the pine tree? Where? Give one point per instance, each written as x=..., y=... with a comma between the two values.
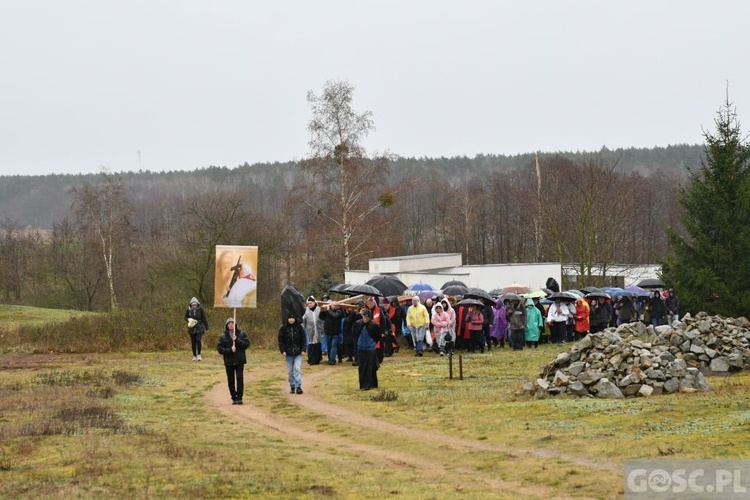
x=710, y=266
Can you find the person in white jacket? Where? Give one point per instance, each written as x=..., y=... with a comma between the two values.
x=557, y=319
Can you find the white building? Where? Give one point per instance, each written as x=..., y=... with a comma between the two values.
x=621, y=275
x=438, y=268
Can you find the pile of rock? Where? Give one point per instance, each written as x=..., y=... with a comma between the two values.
x=616, y=363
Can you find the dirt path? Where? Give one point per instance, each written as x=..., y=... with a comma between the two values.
x=437, y=464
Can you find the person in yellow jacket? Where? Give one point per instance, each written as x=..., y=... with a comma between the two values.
x=418, y=321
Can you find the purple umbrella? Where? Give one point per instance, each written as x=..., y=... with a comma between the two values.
x=428, y=294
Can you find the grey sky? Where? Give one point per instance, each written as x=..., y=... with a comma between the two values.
x=193, y=83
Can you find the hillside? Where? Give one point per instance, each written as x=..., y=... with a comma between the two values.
x=41, y=201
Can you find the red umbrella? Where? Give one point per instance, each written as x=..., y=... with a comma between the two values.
x=516, y=288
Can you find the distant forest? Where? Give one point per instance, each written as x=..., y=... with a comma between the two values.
x=42, y=201
x=159, y=230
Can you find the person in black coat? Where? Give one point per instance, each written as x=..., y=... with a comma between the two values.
x=197, y=322
x=601, y=314
x=673, y=307
x=488, y=313
x=333, y=318
x=368, y=334
x=657, y=309
x=232, y=345
x=291, y=346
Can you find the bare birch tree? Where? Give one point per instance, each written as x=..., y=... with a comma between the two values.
x=104, y=210
x=341, y=183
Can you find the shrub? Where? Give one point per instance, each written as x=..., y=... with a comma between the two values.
x=157, y=329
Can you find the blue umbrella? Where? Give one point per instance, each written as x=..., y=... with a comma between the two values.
x=615, y=292
x=638, y=291
x=419, y=287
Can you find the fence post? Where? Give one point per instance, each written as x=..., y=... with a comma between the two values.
x=460, y=367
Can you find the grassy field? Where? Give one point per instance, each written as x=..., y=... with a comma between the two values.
x=156, y=424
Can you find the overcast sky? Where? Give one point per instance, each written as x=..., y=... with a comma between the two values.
x=184, y=84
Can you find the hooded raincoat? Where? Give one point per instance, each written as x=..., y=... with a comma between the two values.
x=534, y=322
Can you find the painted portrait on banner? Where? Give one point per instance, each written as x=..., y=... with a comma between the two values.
x=236, y=281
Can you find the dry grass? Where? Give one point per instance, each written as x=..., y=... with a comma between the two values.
x=137, y=425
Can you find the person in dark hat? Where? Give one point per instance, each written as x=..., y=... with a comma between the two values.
x=291, y=346
x=232, y=345
x=368, y=334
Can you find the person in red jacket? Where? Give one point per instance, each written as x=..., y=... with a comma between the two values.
x=581, y=318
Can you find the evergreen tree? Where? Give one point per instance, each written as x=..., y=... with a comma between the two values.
x=710, y=268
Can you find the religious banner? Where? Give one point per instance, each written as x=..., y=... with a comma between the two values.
x=236, y=283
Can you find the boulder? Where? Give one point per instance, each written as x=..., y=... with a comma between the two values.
x=578, y=389
x=589, y=377
x=560, y=379
x=645, y=390
x=607, y=390
x=576, y=368
x=671, y=385
x=720, y=364
x=631, y=390
x=735, y=360
x=584, y=344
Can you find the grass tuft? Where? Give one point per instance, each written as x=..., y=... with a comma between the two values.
x=6, y=461
x=126, y=378
x=385, y=396
x=323, y=490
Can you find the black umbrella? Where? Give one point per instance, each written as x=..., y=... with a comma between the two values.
x=455, y=290
x=452, y=283
x=292, y=302
x=598, y=295
x=652, y=283
x=591, y=289
x=363, y=289
x=510, y=296
x=479, y=294
x=564, y=296
x=339, y=288
x=388, y=285
x=470, y=302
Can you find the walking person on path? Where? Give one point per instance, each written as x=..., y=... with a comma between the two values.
x=197, y=323
x=232, y=345
x=292, y=345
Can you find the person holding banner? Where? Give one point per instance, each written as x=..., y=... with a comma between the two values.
x=232, y=345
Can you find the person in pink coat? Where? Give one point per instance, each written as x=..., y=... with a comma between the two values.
x=450, y=334
x=441, y=321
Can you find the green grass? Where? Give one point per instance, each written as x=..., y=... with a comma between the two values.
x=125, y=424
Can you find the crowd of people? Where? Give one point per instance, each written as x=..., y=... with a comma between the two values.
x=366, y=332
